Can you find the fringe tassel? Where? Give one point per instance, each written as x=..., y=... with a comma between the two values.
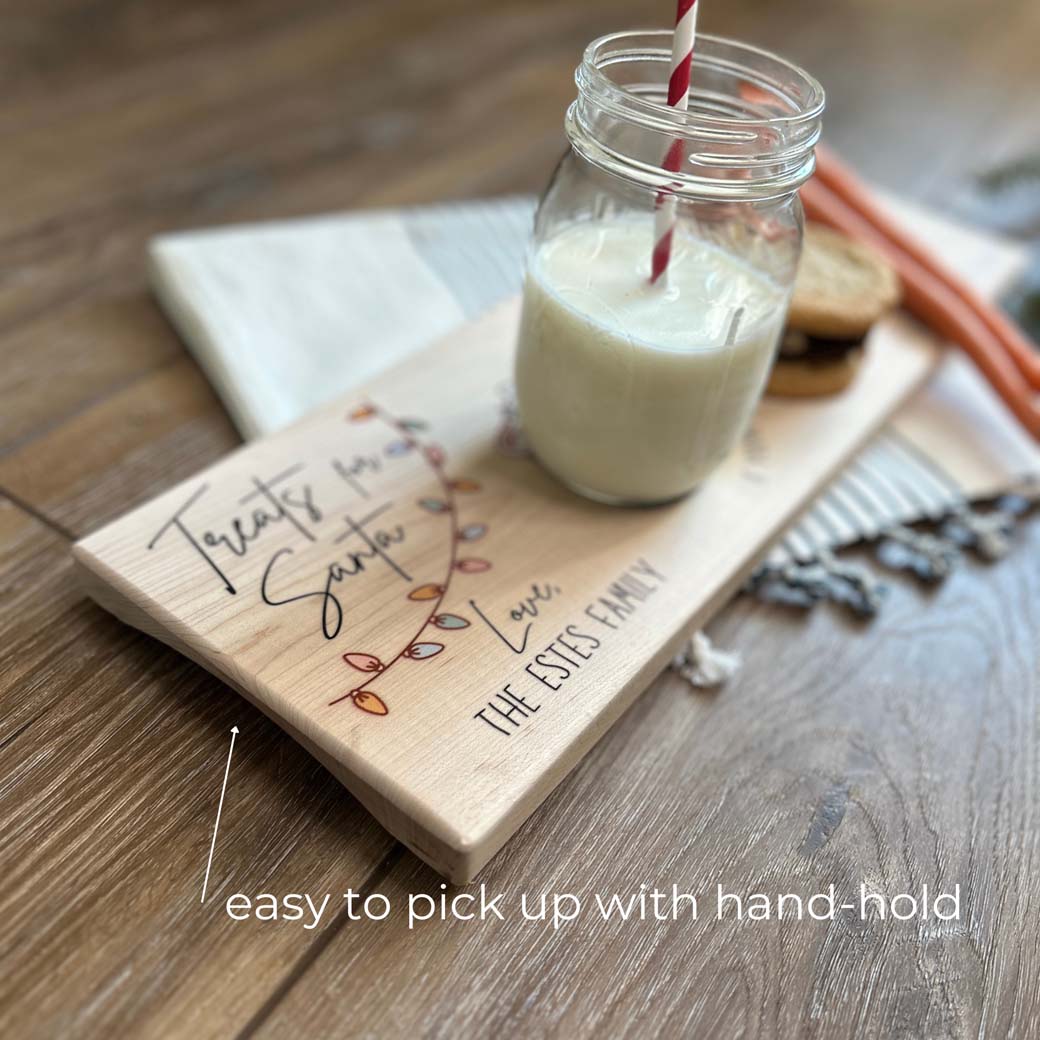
x=987, y=534
x=703, y=665
x=929, y=556
x=825, y=577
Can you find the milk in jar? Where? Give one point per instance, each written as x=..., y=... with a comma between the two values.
x=632, y=392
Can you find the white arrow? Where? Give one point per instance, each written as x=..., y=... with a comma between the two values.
x=220, y=805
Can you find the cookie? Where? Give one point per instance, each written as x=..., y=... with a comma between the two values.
x=814, y=377
x=842, y=287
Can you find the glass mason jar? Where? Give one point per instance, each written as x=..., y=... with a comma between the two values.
x=632, y=391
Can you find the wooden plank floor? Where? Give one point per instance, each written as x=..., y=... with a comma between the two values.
x=898, y=753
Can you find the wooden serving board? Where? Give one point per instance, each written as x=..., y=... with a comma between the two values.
x=437, y=620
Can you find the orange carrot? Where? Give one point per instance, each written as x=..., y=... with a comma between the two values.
x=844, y=183
x=934, y=302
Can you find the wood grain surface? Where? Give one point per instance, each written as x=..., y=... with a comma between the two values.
x=897, y=753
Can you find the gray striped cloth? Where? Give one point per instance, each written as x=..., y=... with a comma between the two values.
x=891, y=482
x=283, y=316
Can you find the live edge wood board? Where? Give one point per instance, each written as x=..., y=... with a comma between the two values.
x=437, y=620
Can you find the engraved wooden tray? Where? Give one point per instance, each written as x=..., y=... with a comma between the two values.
x=438, y=621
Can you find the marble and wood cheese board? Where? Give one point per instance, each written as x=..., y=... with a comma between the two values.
x=445, y=627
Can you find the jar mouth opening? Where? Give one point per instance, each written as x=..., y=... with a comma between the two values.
x=752, y=122
x=761, y=70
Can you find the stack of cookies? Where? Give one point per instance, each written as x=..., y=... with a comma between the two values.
x=842, y=288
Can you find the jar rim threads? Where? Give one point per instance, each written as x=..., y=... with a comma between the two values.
x=751, y=126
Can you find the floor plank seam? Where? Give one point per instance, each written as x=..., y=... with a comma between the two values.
x=22, y=441
x=11, y=737
x=316, y=948
x=35, y=513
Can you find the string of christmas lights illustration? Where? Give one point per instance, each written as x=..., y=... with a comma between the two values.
x=367, y=700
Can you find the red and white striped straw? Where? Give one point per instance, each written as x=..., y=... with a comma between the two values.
x=678, y=98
